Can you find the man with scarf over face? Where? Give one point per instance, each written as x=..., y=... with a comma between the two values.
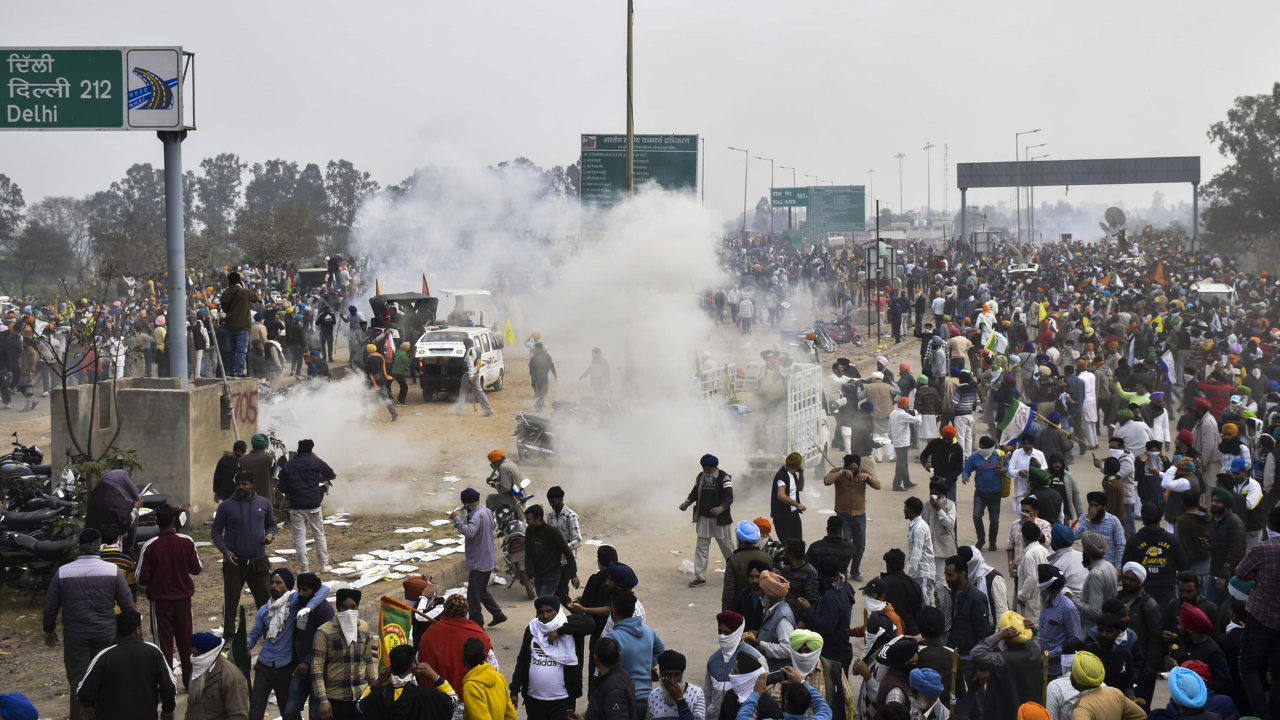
x=825, y=676
x=218, y=689
x=718, y=684
x=548, y=672
x=346, y=660
x=830, y=618
x=1010, y=663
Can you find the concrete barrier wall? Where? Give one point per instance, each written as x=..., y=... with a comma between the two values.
x=179, y=435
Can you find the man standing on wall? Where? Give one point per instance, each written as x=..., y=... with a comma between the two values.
x=237, y=308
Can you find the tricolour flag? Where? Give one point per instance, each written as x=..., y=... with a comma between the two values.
x=1015, y=422
x=396, y=622
x=997, y=344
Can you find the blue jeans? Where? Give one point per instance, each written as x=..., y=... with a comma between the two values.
x=299, y=691
x=1129, y=528
x=239, y=348
x=855, y=531
x=1259, y=652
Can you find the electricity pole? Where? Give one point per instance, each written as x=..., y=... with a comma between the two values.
x=1017, y=173
x=901, y=207
x=928, y=180
x=746, y=160
x=631, y=127
x=872, y=203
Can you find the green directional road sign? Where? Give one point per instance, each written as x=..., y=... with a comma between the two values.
x=789, y=197
x=101, y=88
x=837, y=208
x=669, y=160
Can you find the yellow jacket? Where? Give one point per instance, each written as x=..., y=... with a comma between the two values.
x=485, y=696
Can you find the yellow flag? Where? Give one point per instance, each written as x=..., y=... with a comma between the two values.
x=1043, y=313
x=509, y=333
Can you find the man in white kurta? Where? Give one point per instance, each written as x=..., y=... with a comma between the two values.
x=1089, y=412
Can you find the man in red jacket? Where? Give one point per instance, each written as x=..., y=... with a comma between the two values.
x=165, y=566
x=1217, y=391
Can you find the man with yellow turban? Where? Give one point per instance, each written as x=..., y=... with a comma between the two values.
x=1014, y=665
x=1095, y=701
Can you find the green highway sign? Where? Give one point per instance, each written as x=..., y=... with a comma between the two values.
x=837, y=208
x=789, y=197
x=669, y=160
x=99, y=88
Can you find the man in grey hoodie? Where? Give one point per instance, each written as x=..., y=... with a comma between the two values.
x=244, y=526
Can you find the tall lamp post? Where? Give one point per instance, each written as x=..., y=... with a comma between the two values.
x=631, y=127
x=1017, y=172
x=928, y=180
x=1031, y=206
x=872, y=201
x=901, y=208
x=746, y=160
x=790, y=209
x=770, y=191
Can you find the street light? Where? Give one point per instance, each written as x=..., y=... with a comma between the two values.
x=928, y=180
x=746, y=159
x=829, y=182
x=1026, y=152
x=815, y=178
x=1018, y=175
x=1031, y=206
x=770, y=191
x=872, y=202
x=790, y=209
x=900, y=205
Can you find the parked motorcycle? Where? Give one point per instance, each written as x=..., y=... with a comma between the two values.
x=511, y=527
x=535, y=440
x=28, y=563
x=841, y=331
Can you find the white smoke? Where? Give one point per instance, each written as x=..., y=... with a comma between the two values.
x=631, y=289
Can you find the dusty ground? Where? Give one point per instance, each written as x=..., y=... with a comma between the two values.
x=653, y=543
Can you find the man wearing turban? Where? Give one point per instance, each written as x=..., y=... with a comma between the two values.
x=1096, y=701
x=1198, y=646
x=711, y=497
x=1012, y=660
x=773, y=639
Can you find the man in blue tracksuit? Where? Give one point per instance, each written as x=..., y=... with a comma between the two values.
x=986, y=468
x=640, y=647
x=244, y=525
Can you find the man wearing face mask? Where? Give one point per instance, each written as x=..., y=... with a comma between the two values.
x=548, y=672
x=345, y=663
x=1059, y=618
x=729, y=629
x=830, y=618
x=825, y=676
x=1125, y=458
x=1010, y=663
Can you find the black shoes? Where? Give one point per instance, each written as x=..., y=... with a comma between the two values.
x=497, y=620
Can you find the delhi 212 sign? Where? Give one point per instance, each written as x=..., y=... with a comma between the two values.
x=99, y=88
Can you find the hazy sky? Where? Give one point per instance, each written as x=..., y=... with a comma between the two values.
x=832, y=88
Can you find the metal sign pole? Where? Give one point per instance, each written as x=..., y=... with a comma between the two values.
x=176, y=338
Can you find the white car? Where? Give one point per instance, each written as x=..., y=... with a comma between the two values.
x=439, y=355
x=1209, y=291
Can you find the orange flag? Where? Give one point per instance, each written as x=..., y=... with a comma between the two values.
x=1159, y=276
x=425, y=289
x=1106, y=280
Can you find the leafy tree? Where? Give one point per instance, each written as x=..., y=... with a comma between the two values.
x=346, y=188
x=273, y=182
x=218, y=193
x=1244, y=199
x=310, y=190
x=36, y=252
x=11, y=205
x=127, y=223
x=68, y=218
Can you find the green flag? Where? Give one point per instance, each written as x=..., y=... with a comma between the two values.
x=396, y=621
x=240, y=645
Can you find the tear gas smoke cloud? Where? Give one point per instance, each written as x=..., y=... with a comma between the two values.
x=633, y=292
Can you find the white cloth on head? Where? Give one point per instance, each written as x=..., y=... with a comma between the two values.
x=1137, y=569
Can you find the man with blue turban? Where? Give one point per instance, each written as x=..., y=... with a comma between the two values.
x=737, y=571
x=711, y=496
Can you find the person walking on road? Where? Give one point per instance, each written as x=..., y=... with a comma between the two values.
x=165, y=566
x=477, y=528
x=540, y=366
x=851, y=483
x=472, y=383
x=545, y=547
x=784, y=503
x=566, y=521
x=599, y=372
x=304, y=481
x=87, y=591
x=400, y=368
x=711, y=497
x=128, y=679
x=242, y=528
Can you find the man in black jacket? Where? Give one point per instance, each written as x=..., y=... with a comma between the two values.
x=127, y=680
x=224, y=473
x=970, y=623
x=944, y=458
x=552, y=640
x=832, y=545
x=614, y=698
x=544, y=547
x=904, y=591
x=711, y=497
x=393, y=696
x=304, y=480
x=326, y=321
x=1160, y=554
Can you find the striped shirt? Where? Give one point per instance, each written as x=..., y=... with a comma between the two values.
x=1059, y=622
x=566, y=521
x=342, y=670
